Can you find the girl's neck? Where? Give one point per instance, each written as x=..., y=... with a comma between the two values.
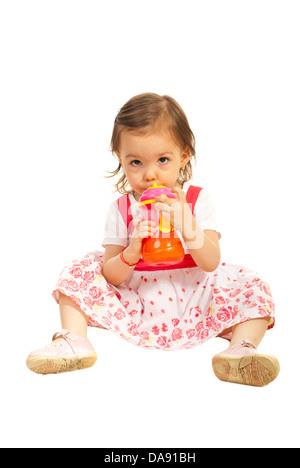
x=136, y=195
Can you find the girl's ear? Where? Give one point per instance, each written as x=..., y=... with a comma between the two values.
x=119, y=157
x=185, y=156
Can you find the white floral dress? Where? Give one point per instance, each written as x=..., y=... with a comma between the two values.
x=166, y=309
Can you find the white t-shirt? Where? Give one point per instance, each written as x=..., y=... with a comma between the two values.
x=116, y=233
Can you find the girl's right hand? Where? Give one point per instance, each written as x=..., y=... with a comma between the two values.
x=143, y=229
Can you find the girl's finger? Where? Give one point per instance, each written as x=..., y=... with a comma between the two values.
x=147, y=225
x=163, y=207
x=164, y=200
x=137, y=221
x=179, y=193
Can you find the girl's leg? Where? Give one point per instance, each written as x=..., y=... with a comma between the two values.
x=72, y=317
x=252, y=330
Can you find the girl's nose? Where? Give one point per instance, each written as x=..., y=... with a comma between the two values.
x=150, y=176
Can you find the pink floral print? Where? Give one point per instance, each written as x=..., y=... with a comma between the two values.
x=167, y=309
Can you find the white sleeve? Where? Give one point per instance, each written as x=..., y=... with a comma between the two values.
x=205, y=212
x=115, y=231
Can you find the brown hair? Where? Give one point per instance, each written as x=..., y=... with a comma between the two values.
x=150, y=111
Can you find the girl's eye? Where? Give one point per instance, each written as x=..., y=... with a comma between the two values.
x=135, y=163
x=163, y=160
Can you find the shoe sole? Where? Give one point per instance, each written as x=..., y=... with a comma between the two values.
x=55, y=365
x=256, y=370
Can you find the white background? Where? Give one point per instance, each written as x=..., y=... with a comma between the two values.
x=66, y=69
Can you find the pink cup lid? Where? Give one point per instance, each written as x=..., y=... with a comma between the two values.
x=149, y=195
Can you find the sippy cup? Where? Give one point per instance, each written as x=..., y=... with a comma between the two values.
x=165, y=247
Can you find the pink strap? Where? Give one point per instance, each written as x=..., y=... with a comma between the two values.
x=125, y=210
x=192, y=196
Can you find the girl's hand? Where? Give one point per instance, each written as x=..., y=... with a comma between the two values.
x=142, y=230
x=177, y=212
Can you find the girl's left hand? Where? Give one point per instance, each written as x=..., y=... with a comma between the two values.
x=177, y=212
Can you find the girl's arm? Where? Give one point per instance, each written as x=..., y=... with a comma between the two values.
x=114, y=270
x=203, y=247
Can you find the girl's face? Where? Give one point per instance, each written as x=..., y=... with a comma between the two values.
x=151, y=158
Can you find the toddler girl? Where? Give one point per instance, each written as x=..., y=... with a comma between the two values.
x=170, y=307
